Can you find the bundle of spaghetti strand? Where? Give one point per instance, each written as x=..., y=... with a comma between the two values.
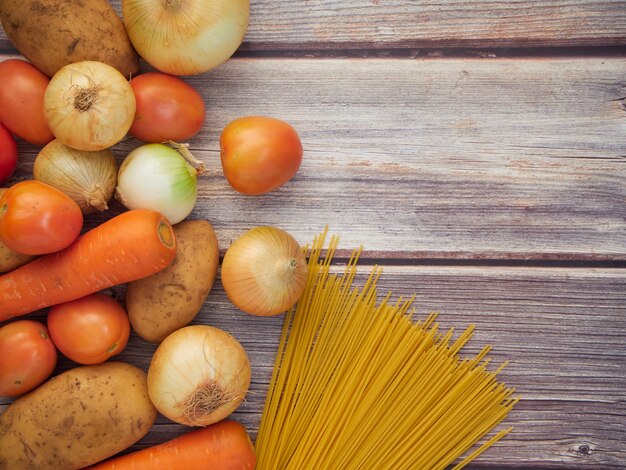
x=357, y=384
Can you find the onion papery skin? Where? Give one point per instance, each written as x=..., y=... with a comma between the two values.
x=88, y=178
x=264, y=271
x=89, y=106
x=198, y=375
x=186, y=37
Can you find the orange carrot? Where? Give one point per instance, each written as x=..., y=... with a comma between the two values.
x=221, y=446
x=131, y=246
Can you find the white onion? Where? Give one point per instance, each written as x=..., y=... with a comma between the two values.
x=198, y=375
x=158, y=177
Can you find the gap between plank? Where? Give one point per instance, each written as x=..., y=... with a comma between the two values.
x=326, y=51
x=342, y=257
x=364, y=260
x=399, y=52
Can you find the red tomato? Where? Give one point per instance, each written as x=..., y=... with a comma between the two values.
x=8, y=154
x=36, y=218
x=167, y=108
x=89, y=330
x=28, y=357
x=259, y=154
x=22, y=87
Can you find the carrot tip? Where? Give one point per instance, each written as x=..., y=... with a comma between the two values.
x=166, y=234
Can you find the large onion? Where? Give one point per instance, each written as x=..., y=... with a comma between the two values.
x=89, y=105
x=186, y=37
x=198, y=375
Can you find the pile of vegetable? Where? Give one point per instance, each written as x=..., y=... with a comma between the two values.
x=80, y=92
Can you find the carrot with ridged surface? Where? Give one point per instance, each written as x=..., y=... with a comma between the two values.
x=220, y=446
x=133, y=245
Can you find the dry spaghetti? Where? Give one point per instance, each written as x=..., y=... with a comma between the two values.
x=358, y=384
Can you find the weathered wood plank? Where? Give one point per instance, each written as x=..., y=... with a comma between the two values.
x=501, y=159
x=563, y=330
x=459, y=23
x=351, y=24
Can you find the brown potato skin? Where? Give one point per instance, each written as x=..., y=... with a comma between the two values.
x=170, y=299
x=9, y=259
x=54, y=33
x=76, y=419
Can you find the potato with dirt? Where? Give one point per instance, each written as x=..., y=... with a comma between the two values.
x=54, y=33
x=76, y=419
x=170, y=299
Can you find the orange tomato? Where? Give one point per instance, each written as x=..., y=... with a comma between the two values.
x=36, y=218
x=259, y=154
x=8, y=154
x=28, y=357
x=89, y=330
x=21, y=101
x=167, y=108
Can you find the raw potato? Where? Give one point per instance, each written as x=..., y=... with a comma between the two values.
x=9, y=259
x=76, y=419
x=162, y=303
x=54, y=33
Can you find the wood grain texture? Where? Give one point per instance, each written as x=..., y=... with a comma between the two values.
x=563, y=330
x=476, y=159
x=417, y=24
x=296, y=25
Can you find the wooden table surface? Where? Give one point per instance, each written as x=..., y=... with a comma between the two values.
x=477, y=149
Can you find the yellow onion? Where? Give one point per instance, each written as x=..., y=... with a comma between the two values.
x=198, y=375
x=89, y=105
x=264, y=271
x=87, y=177
x=186, y=37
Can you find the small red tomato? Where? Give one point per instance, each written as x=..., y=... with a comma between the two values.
x=21, y=101
x=259, y=154
x=89, y=330
x=8, y=154
x=36, y=218
x=28, y=357
x=167, y=108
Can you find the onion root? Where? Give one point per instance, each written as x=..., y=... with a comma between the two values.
x=206, y=399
